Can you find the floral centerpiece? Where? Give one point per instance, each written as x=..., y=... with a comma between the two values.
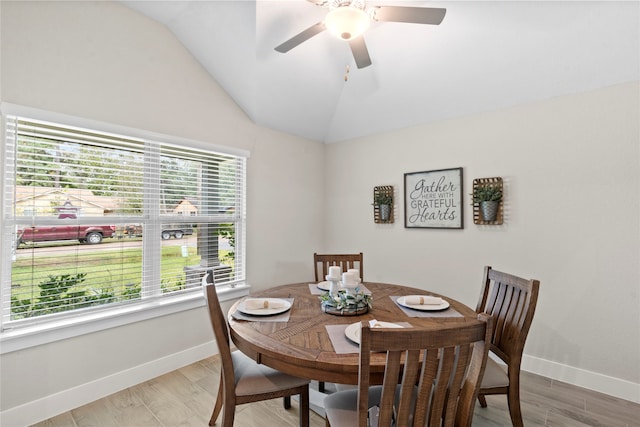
x=346, y=303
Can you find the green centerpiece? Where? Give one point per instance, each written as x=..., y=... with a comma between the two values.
x=346, y=303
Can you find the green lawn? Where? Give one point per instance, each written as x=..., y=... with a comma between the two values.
x=114, y=270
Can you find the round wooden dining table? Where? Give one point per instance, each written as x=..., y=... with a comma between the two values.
x=301, y=346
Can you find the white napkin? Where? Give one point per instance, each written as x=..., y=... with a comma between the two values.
x=423, y=300
x=377, y=324
x=374, y=324
x=259, y=303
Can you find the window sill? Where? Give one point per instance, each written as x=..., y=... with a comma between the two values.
x=30, y=336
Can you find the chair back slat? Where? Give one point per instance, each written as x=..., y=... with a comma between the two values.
x=391, y=375
x=363, y=380
x=441, y=372
x=441, y=385
x=516, y=316
x=411, y=372
x=426, y=387
x=322, y=262
x=456, y=384
x=501, y=311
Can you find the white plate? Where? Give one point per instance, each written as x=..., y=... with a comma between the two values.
x=424, y=307
x=353, y=331
x=325, y=286
x=265, y=311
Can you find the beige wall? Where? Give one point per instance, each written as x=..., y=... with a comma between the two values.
x=571, y=168
x=105, y=62
x=570, y=165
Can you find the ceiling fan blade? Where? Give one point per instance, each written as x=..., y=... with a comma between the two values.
x=300, y=38
x=412, y=15
x=360, y=52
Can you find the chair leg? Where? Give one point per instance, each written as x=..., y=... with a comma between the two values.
x=304, y=407
x=482, y=400
x=513, y=399
x=229, y=414
x=218, y=406
x=287, y=402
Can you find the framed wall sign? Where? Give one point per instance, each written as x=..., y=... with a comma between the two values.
x=433, y=199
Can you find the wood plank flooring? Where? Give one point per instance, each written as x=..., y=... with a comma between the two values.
x=185, y=398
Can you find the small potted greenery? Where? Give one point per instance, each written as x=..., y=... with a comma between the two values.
x=488, y=197
x=384, y=202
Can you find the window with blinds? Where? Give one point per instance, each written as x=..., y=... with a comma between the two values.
x=93, y=220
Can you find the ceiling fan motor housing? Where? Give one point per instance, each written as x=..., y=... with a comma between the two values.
x=347, y=22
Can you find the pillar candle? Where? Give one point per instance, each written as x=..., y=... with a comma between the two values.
x=335, y=272
x=349, y=280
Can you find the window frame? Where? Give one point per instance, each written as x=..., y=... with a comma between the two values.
x=50, y=330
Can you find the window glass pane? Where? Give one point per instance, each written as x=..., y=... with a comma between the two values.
x=101, y=219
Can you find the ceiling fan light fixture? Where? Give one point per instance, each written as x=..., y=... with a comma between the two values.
x=347, y=22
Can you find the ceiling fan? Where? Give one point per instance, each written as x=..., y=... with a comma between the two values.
x=349, y=19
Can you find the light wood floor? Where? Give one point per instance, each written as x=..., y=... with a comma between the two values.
x=185, y=398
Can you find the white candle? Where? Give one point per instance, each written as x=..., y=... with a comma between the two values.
x=349, y=280
x=355, y=272
x=335, y=272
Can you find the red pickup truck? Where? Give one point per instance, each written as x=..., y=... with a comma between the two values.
x=92, y=234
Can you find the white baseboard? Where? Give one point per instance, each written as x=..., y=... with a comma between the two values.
x=50, y=406
x=612, y=386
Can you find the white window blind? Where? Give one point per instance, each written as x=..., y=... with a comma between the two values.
x=93, y=220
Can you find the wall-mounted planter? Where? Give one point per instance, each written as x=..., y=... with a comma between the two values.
x=488, y=212
x=383, y=204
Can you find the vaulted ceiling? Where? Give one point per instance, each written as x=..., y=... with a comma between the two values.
x=485, y=55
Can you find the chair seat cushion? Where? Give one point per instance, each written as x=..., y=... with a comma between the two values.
x=252, y=378
x=341, y=408
x=495, y=375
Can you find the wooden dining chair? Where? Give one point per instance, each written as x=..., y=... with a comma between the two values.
x=431, y=378
x=511, y=301
x=242, y=380
x=322, y=262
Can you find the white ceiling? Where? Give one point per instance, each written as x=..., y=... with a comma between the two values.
x=485, y=55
